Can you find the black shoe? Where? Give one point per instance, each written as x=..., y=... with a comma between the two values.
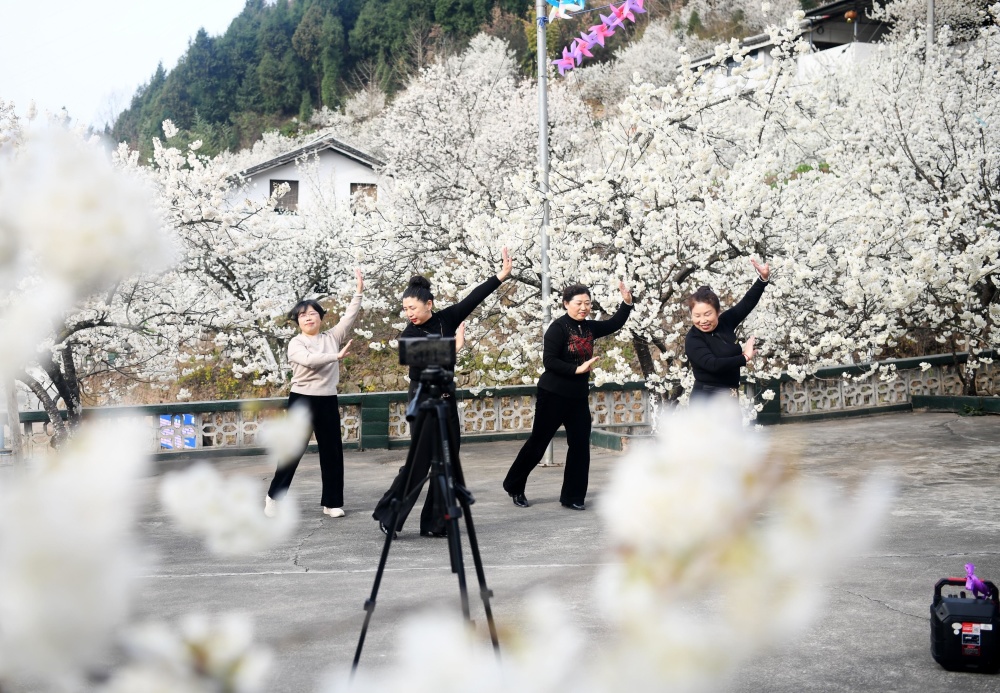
x=519, y=500
x=430, y=533
x=385, y=530
x=574, y=506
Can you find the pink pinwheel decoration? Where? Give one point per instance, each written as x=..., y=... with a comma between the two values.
x=565, y=63
x=579, y=50
x=623, y=12
x=599, y=32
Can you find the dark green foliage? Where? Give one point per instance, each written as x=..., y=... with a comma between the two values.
x=282, y=59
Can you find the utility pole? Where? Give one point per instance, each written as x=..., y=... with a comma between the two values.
x=543, y=172
x=930, y=26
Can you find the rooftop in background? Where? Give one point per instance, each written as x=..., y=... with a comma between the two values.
x=320, y=144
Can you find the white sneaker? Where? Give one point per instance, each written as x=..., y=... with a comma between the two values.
x=270, y=507
x=333, y=512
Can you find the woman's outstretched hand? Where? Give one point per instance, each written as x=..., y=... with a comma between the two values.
x=343, y=352
x=460, y=337
x=750, y=350
x=361, y=279
x=586, y=366
x=507, y=265
x=626, y=294
x=763, y=270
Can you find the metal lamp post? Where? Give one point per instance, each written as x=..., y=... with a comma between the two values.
x=543, y=172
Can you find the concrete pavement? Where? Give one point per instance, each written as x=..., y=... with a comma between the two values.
x=307, y=595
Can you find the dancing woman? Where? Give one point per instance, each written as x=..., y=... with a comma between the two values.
x=563, y=395
x=315, y=357
x=711, y=345
x=418, y=306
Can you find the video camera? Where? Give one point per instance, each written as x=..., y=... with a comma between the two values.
x=432, y=350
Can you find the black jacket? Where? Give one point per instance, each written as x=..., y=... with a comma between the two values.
x=445, y=322
x=716, y=357
x=568, y=343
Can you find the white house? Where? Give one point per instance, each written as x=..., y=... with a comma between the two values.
x=322, y=172
x=837, y=32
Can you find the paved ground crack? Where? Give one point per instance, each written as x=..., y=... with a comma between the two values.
x=298, y=547
x=883, y=604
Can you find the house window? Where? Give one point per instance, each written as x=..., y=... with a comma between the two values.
x=364, y=195
x=289, y=202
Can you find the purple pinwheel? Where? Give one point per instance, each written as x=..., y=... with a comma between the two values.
x=599, y=32
x=636, y=6
x=589, y=39
x=579, y=50
x=974, y=584
x=612, y=20
x=565, y=63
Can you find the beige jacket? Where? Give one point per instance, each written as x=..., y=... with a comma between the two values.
x=315, y=367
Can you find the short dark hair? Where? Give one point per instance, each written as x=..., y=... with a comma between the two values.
x=304, y=305
x=703, y=294
x=419, y=288
x=574, y=290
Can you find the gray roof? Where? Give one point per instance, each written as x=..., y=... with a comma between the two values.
x=320, y=144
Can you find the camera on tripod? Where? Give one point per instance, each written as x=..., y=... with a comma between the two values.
x=432, y=350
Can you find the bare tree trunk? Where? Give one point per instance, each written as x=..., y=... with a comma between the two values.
x=644, y=355
x=49, y=404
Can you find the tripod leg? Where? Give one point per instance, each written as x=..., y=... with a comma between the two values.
x=484, y=592
x=454, y=545
x=370, y=602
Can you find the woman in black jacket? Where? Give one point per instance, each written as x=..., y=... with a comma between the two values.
x=563, y=395
x=418, y=306
x=711, y=345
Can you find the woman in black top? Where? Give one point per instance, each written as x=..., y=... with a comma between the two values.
x=711, y=346
x=418, y=305
x=563, y=395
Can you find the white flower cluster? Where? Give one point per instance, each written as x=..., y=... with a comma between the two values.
x=286, y=437
x=199, y=655
x=228, y=513
x=709, y=511
x=66, y=556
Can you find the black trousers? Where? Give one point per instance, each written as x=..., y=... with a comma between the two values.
x=422, y=441
x=701, y=392
x=325, y=412
x=551, y=412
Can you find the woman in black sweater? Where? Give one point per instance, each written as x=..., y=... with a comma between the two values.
x=418, y=305
x=563, y=395
x=711, y=345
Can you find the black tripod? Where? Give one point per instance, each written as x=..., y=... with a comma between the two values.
x=431, y=425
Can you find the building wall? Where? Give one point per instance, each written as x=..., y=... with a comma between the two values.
x=324, y=180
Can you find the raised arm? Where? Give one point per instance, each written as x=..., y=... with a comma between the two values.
x=461, y=310
x=602, y=328
x=738, y=313
x=343, y=327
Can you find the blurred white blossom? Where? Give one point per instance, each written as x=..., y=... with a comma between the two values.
x=286, y=437
x=66, y=554
x=228, y=513
x=199, y=654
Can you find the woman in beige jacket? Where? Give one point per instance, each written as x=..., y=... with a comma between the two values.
x=315, y=358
